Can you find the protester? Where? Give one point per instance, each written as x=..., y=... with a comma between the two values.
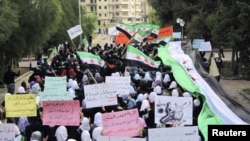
x=9, y=80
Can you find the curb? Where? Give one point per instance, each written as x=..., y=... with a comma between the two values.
x=245, y=95
x=22, y=76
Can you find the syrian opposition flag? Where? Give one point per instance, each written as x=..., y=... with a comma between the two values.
x=214, y=111
x=53, y=53
x=135, y=57
x=128, y=30
x=144, y=30
x=89, y=58
x=85, y=43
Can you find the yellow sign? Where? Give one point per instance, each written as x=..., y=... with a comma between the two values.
x=20, y=105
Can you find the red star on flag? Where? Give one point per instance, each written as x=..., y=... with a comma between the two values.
x=99, y=62
x=138, y=57
x=92, y=61
x=189, y=69
x=184, y=62
x=146, y=60
x=192, y=78
x=152, y=63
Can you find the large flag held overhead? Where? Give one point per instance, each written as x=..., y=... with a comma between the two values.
x=90, y=58
x=75, y=31
x=214, y=111
x=53, y=53
x=138, y=32
x=135, y=57
x=127, y=29
x=144, y=30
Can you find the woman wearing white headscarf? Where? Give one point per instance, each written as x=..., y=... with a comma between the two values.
x=147, y=76
x=166, y=81
x=85, y=135
x=97, y=132
x=173, y=85
x=97, y=122
x=61, y=133
x=36, y=136
x=144, y=109
x=175, y=93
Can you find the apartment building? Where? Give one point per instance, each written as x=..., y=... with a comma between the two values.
x=110, y=12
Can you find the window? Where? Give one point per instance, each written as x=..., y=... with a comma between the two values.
x=100, y=7
x=105, y=15
x=82, y=0
x=100, y=14
x=117, y=14
x=105, y=7
x=117, y=7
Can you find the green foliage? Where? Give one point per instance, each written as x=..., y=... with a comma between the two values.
x=153, y=18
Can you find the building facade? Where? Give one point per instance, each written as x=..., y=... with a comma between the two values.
x=110, y=12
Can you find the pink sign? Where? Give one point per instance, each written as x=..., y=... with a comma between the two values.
x=61, y=112
x=124, y=123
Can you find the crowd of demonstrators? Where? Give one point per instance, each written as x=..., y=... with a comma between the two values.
x=145, y=86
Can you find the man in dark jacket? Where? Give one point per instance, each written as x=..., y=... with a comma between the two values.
x=9, y=80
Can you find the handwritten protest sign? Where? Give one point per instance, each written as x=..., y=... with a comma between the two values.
x=189, y=133
x=113, y=138
x=20, y=105
x=7, y=132
x=97, y=95
x=55, y=89
x=205, y=46
x=122, y=83
x=196, y=43
x=123, y=123
x=174, y=110
x=61, y=112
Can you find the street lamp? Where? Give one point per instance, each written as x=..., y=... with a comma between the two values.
x=182, y=23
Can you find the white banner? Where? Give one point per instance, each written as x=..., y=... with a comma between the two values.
x=189, y=133
x=205, y=46
x=75, y=31
x=98, y=95
x=173, y=110
x=122, y=83
x=7, y=132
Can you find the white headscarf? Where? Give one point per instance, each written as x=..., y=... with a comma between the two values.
x=140, y=97
x=69, y=84
x=36, y=89
x=21, y=90
x=158, y=90
x=85, y=79
x=152, y=96
x=61, y=133
x=36, y=136
x=74, y=85
x=145, y=105
x=175, y=93
x=85, y=136
x=72, y=93
x=173, y=85
x=147, y=76
x=131, y=89
x=116, y=74
x=158, y=74
x=96, y=133
x=137, y=77
x=98, y=119
x=85, y=124
x=186, y=94
x=166, y=78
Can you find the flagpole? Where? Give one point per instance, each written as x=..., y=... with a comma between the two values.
x=80, y=21
x=91, y=75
